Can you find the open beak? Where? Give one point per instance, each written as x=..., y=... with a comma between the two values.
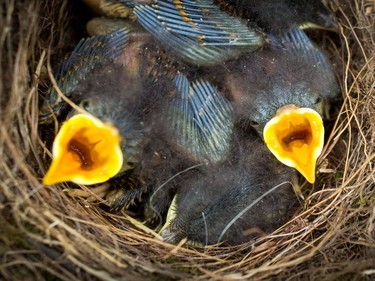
x=296, y=137
x=85, y=151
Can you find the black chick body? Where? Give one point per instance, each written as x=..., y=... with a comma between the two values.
x=198, y=31
x=248, y=195
x=190, y=124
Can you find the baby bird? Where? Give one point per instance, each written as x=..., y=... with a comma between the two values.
x=246, y=196
x=124, y=94
x=281, y=91
x=90, y=147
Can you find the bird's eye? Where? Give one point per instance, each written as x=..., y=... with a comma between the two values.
x=318, y=100
x=254, y=123
x=85, y=105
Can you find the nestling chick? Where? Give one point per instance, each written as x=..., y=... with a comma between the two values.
x=118, y=96
x=246, y=196
x=91, y=148
x=281, y=91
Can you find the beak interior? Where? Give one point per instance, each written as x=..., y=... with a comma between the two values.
x=296, y=137
x=85, y=151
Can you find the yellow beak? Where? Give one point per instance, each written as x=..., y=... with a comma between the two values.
x=85, y=151
x=296, y=137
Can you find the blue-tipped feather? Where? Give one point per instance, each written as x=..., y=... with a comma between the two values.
x=89, y=53
x=201, y=120
x=199, y=32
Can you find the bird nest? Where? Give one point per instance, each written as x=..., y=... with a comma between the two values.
x=45, y=234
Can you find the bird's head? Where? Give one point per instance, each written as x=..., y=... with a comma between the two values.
x=292, y=126
x=286, y=90
x=90, y=147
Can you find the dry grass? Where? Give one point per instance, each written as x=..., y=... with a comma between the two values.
x=44, y=234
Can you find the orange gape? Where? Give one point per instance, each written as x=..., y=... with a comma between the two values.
x=296, y=137
x=86, y=151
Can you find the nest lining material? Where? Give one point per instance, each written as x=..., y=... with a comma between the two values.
x=45, y=234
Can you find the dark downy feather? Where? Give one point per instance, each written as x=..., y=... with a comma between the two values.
x=199, y=120
x=246, y=196
x=89, y=54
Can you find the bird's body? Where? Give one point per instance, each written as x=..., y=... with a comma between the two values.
x=281, y=91
x=198, y=32
x=248, y=195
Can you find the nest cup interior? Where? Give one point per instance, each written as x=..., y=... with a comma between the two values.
x=45, y=234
